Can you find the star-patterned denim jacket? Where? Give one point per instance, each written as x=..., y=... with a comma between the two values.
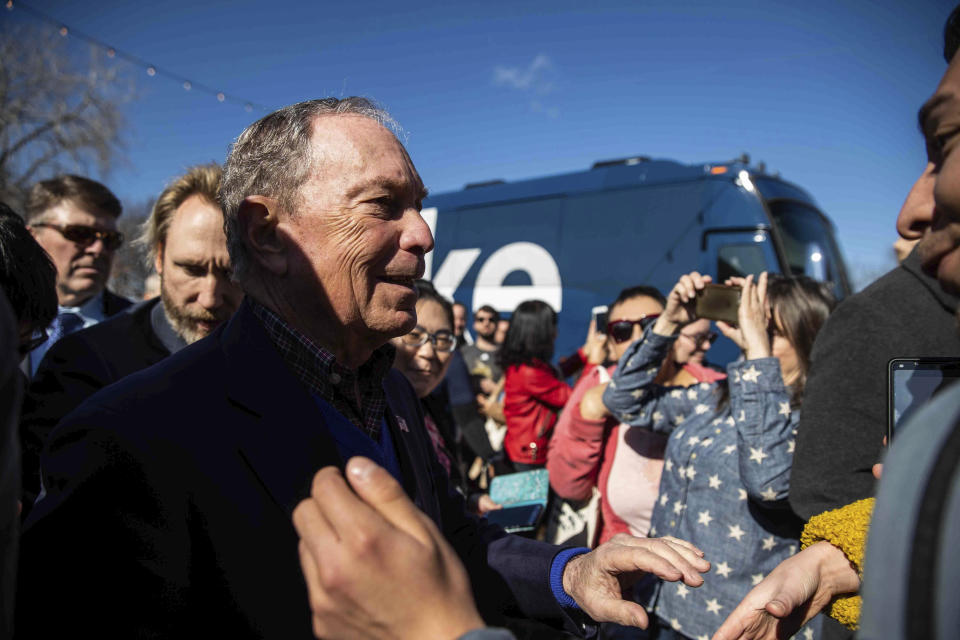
x=725, y=478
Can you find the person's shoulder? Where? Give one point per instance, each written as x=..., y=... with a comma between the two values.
x=114, y=303
x=104, y=336
x=174, y=384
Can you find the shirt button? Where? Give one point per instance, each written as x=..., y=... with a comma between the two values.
x=335, y=378
x=693, y=456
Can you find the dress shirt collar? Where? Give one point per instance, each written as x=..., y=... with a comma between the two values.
x=357, y=394
x=91, y=311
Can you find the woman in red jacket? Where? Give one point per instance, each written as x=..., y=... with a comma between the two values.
x=534, y=391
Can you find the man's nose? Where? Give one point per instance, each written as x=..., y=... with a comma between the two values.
x=416, y=236
x=916, y=214
x=212, y=290
x=97, y=247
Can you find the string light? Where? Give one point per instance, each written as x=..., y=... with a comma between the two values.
x=151, y=70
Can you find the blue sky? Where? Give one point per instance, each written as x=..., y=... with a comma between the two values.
x=825, y=92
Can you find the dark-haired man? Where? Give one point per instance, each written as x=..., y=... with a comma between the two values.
x=481, y=356
x=28, y=303
x=186, y=244
x=905, y=313
x=75, y=220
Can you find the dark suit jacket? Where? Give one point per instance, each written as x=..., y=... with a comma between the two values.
x=75, y=368
x=170, y=494
x=11, y=388
x=114, y=304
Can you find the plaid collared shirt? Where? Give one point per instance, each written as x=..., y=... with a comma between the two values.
x=358, y=395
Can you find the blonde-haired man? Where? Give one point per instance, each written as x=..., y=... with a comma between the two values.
x=186, y=244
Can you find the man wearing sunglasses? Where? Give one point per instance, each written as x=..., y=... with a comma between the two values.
x=481, y=355
x=75, y=220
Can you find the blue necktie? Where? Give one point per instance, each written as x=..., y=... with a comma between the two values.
x=64, y=324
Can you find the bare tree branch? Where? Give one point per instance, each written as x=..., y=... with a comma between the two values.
x=58, y=112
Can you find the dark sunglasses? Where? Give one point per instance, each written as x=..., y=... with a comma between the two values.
x=85, y=236
x=484, y=319
x=622, y=330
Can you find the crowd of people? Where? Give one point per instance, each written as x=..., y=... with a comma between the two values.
x=297, y=435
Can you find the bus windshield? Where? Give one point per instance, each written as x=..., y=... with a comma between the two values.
x=808, y=243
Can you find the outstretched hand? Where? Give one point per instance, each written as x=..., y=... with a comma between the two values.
x=794, y=592
x=596, y=580
x=355, y=548
x=681, y=303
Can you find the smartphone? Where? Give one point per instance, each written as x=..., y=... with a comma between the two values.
x=911, y=382
x=718, y=302
x=600, y=318
x=516, y=519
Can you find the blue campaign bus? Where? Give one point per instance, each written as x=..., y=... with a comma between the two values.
x=575, y=240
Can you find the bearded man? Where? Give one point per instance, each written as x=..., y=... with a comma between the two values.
x=187, y=246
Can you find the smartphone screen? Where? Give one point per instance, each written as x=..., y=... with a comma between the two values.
x=911, y=382
x=600, y=318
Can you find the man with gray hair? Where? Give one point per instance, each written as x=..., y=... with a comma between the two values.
x=191, y=470
x=75, y=221
x=186, y=245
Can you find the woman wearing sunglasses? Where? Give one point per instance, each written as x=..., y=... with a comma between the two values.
x=590, y=449
x=727, y=462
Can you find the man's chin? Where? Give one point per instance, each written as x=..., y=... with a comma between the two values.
x=194, y=330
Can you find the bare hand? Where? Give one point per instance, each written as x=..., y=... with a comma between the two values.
x=681, y=303
x=794, y=592
x=596, y=349
x=355, y=548
x=596, y=580
x=591, y=403
x=487, y=386
x=486, y=504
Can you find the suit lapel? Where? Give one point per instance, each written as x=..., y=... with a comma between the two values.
x=409, y=443
x=282, y=435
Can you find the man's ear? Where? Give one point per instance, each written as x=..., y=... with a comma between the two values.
x=259, y=219
x=158, y=259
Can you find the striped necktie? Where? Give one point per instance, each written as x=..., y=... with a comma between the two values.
x=64, y=324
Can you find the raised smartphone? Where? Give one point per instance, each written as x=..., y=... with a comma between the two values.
x=718, y=302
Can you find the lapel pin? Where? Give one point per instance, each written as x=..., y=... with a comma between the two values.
x=403, y=424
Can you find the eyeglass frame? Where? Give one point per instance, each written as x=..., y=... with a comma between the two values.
x=643, y=321
x=98, y=234
x=698, y=338
x=432, y=338
x=485, y=319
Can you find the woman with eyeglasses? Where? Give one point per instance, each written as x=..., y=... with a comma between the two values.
x=726, y=471
x=589, y=447
x=423, y=357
